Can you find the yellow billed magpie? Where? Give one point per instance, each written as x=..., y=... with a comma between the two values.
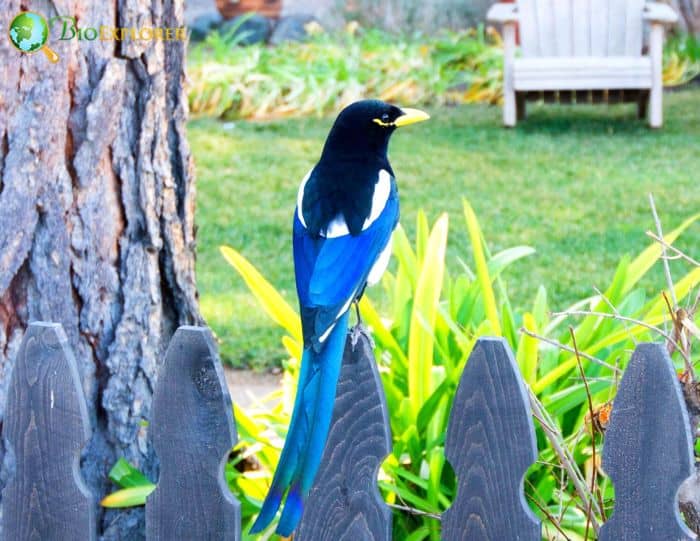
x=347, y=208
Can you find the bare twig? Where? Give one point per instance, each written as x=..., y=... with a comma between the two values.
x=614, y=309
x=569, y=349
x=551, y=518
x=414, y=511
x=565, y=457
x=681, y=341
x=680, y=254
x=591, y=412
x=623, y=318
x=667, y=267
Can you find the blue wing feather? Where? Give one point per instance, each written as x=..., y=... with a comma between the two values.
x=331, y=272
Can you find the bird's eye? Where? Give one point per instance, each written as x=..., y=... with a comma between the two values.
x=385, y=117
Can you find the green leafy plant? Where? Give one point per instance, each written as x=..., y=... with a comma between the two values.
x=331, y=70
x=681, y=59
x=423, y=338
x=424, y=332
x=328, y=71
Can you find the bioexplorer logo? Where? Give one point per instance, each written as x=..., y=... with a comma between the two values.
x=29, y=33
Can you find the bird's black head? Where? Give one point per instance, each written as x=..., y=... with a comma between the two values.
x=363, y=128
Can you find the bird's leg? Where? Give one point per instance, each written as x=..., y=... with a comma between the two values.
x=357, y=311
x=357, y=329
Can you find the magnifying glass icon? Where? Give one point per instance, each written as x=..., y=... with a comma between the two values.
x=29, y=33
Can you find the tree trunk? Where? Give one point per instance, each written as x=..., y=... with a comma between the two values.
x=96, y=217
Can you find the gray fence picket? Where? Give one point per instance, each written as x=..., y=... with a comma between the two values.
x=648, y=450
x=192, y=430
x=46, y=426
x=344, y=502
x=490, y=444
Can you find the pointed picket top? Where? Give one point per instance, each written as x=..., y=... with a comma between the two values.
x=490, y=444
x=344, y=503
x=46, y=425
x=648, y=450
x=192, y=430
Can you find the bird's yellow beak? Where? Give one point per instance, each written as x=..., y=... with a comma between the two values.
x=411, y=116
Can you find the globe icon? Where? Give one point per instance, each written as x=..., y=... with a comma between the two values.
x=29, y=33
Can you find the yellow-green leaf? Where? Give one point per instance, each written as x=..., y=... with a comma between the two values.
x=273, y=303
x=482, y=270
x=527, y=350
x=128, y=497
x=427, y=296
x=643, y=262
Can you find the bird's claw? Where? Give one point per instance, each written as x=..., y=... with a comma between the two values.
x=358, y=331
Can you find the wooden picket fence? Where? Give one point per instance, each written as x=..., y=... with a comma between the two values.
x=490, y=443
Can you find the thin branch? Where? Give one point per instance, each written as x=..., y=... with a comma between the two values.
x=565, y=457
x=414, y=511
x=540, y=505
x=667, y=267
x=679, y=336
x=624, y=318
x=569, y=349
x=591, y=412
x=614, y=309
x=679, y=253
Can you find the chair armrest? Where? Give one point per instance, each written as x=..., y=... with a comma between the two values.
x=502, y=13
x=657, y=12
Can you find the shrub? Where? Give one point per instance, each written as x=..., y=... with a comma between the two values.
x=329, y=71
x=423, y=339
x=434, y=316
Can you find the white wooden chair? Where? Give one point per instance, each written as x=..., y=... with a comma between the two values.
x=583, y=51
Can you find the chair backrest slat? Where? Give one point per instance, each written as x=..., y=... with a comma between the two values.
x=580, y=27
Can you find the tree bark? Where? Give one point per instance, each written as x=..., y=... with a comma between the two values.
x=96, y=217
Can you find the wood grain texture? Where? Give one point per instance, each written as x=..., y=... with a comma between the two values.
x=192, y=431
x=648, y=450
x=344, y=503
x=490, y=444
x=46, y=427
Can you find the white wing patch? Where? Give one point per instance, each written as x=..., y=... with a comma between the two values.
x=300, y=198
x=336, y=228
x=380, y=265
x=382, y=190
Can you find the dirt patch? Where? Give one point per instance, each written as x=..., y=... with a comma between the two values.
x=247, y=386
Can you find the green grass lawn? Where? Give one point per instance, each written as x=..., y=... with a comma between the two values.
x=571, y=182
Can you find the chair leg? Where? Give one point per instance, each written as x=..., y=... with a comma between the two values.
x=642, y=105
x=656, y=118
x=520, y=106
x=656, y=40
x=509, y=109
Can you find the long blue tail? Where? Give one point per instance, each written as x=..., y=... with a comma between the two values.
x=308, y=431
